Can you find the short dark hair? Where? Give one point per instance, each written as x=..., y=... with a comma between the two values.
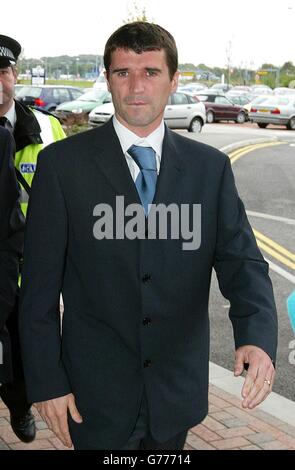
x=139, y=37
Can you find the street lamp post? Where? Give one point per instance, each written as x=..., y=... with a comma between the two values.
x=229, y=57
x=77, y=67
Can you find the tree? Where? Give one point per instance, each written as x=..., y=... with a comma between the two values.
x=137, y=14
x=268, y=66
x=288, y=68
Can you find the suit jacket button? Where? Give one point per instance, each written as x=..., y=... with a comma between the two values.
x=146, y=321
x=146, y=278
x=147, y=363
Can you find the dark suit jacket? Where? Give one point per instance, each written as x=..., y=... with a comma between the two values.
x=11, y=245
x=108, y=353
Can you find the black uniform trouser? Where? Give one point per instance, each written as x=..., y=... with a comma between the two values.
x=13, y=394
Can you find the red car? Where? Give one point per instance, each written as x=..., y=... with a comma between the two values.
x=220, y=108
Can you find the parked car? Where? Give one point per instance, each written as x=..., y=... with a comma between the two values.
x=223, y=87
x=183, y=111
x=17, y=89
x=284, y=91
x=47, y=97
x=101, y=114
x=86, y=102
x=261, y=90
x=192, y=87
x=242, y=88
x=238, y=97
x=278, y=110
x=220, y=108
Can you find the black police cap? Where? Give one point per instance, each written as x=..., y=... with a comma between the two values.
x=10, y=49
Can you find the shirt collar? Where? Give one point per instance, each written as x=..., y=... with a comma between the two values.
x=128, y=138
x=11, y=115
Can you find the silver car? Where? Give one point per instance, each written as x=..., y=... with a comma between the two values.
x=278, y=110
x=183, y=111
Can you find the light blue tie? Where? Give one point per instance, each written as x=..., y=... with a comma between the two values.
x=145, y=158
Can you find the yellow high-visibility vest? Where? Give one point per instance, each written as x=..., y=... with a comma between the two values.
x=26, y=158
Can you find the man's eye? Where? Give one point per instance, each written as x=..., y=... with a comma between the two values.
x=151, y=73
x=122, y=74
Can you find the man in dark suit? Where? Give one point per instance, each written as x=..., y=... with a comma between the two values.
x=129, y=367
x=11, y=245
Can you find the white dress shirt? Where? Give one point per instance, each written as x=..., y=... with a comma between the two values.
x=11, y=115
x=127, y=138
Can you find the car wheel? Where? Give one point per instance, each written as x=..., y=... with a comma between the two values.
x=210, y=117
x=291, y=124
x=262, y=125
x=241, y=118
x=196, y=125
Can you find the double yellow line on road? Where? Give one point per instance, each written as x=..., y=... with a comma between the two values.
x=275, y=250
x=236, y=154
x=266, y=244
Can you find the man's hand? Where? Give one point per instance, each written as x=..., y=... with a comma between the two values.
x=260, y=375
x=55, y=413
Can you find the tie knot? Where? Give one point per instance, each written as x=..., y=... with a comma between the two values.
x=3, y=121
x=144, y=157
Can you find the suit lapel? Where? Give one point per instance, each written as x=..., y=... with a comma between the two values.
x=170, y=171
x=112, y=163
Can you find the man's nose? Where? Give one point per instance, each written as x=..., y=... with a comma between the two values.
x=136, y=83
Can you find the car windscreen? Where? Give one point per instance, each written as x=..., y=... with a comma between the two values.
x=203, y=97
x=93, y=95
x=32, y=91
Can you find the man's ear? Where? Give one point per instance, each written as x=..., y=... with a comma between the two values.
x=106, y=77
x=174, y=82
x=14, y=71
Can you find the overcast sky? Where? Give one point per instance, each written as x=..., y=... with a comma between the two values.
x=258, y=30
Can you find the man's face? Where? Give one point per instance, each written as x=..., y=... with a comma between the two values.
x=7, y=82
x=140, y=85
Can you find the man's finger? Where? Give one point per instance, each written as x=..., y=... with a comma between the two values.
x=74, y=411
x=249, y=380
x=239, y=363
x=264, y=392
x=258, y=390
x=64, y=429
x=60, y=428
x=44, y=416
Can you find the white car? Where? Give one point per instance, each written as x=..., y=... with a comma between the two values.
x=183, y=111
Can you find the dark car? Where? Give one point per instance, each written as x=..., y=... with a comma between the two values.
x=47, y=97
x=220, y=108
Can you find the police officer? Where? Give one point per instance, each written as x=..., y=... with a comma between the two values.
x=32, y=130
x=11, y=246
